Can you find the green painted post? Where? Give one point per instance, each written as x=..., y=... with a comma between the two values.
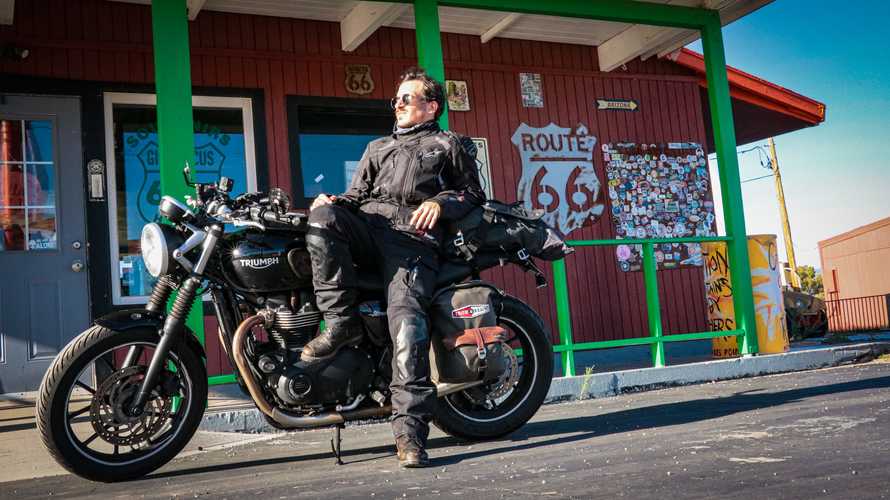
x=653, y=305
x=730, y=183
x=429, y=45
x=176, y=130
x=564, y=317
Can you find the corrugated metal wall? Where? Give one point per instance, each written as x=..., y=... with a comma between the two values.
x=110, y=42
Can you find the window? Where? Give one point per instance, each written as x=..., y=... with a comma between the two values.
x=224, y=145
x=27, y=186
x=327, y=139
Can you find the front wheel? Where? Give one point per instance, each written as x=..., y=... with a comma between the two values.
x=83, y=403
x=494, y=410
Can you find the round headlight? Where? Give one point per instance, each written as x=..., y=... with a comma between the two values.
x=153, y=244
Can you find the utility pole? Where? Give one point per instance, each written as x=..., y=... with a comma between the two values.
x=783, y=213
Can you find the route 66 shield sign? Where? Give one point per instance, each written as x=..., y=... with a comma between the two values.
x=358, y=79
x=150, y=190
x=209, y=159
x=558, y=176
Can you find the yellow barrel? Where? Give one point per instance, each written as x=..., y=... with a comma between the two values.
x=769, y=308
x=772, y=331
x=718, y=289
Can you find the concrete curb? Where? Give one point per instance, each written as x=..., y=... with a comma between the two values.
x=600, y=385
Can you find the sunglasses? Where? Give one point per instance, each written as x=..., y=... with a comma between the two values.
x=406, y=100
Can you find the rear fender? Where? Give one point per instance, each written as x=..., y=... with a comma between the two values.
x=132, y=319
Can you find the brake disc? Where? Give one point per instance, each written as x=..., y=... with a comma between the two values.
x=507, y=379
x=108, y=413
x=484, y=395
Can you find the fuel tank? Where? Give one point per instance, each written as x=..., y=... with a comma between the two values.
x=271, y=261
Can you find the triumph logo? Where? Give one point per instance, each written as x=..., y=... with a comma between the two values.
x=259, y=263
x=471, y=311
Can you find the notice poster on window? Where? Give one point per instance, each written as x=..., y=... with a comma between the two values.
x=215, y=155
x=659, y=191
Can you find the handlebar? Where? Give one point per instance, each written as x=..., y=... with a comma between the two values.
x=248, y=209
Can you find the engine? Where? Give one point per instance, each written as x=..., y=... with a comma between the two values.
x=338, y=381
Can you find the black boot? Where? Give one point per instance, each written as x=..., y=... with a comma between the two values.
x=411, y=452
x=328, y=342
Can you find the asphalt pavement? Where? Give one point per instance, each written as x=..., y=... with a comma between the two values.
x=821, y=433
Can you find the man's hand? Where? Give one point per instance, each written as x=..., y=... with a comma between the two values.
x=320, y=200
x=426, y=215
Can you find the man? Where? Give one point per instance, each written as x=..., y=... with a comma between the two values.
x=390, y=219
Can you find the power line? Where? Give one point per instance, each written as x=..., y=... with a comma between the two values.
x=757, y=178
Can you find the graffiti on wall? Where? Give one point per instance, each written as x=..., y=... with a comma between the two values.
x=659, y=191
x=558, y=177
x=718, y=291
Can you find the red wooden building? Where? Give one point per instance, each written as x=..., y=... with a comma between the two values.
x=276, y=94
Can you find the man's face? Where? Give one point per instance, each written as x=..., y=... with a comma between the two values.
x=419, y=110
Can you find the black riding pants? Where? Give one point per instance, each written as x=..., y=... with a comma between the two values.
x=339, y=239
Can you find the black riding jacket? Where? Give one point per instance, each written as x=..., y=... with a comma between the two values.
x=400, y=171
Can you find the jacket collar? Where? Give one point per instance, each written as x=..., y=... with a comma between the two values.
x=419, y=130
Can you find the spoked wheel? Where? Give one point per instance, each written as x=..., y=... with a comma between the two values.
x=499, y=408
x=84, y=413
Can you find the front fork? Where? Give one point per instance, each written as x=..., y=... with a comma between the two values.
x=175, y=322
x=173, y=330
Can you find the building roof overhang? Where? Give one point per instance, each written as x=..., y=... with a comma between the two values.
x=761, y=109
x=616, y=42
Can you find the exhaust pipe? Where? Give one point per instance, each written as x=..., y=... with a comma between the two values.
x=244, y=369
x=328, y=419
x=290, y=421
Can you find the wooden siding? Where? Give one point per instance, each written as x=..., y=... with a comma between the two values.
x=110, y=42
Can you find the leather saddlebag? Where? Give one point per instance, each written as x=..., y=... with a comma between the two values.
x=467, y=343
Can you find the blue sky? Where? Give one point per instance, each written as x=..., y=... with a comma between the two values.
x=834, y=175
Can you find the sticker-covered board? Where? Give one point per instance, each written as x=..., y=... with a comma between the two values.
x=659, y=191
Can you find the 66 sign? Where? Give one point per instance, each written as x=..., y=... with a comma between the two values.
x=358, y=79
x=558, y=175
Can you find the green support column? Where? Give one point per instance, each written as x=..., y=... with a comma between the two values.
x=730, y=183
x=564, y=317
x=429, y=45
x=176, y=129
x=653, y=305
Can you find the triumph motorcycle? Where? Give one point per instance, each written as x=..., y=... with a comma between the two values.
x=126, y=395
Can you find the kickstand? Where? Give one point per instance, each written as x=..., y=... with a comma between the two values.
x=335, y=443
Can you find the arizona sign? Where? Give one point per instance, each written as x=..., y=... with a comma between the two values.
x=558, y=175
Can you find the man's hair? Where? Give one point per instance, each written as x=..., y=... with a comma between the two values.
x=432, y=88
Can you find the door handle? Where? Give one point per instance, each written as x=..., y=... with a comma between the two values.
x=77, y=266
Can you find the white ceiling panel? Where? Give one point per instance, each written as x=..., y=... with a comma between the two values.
x=617, y=43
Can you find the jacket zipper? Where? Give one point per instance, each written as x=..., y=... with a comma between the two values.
x=409, y=177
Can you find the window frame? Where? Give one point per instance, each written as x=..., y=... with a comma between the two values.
x=245, y=104
x=294, y=104
x=25, y=117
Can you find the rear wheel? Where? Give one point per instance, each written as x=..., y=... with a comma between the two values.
x=494, y=410
x=82, y=407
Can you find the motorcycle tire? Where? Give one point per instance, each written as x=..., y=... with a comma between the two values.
x=56, y=423
x=457, y=415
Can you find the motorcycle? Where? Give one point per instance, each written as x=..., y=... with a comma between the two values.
x=126, y=395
